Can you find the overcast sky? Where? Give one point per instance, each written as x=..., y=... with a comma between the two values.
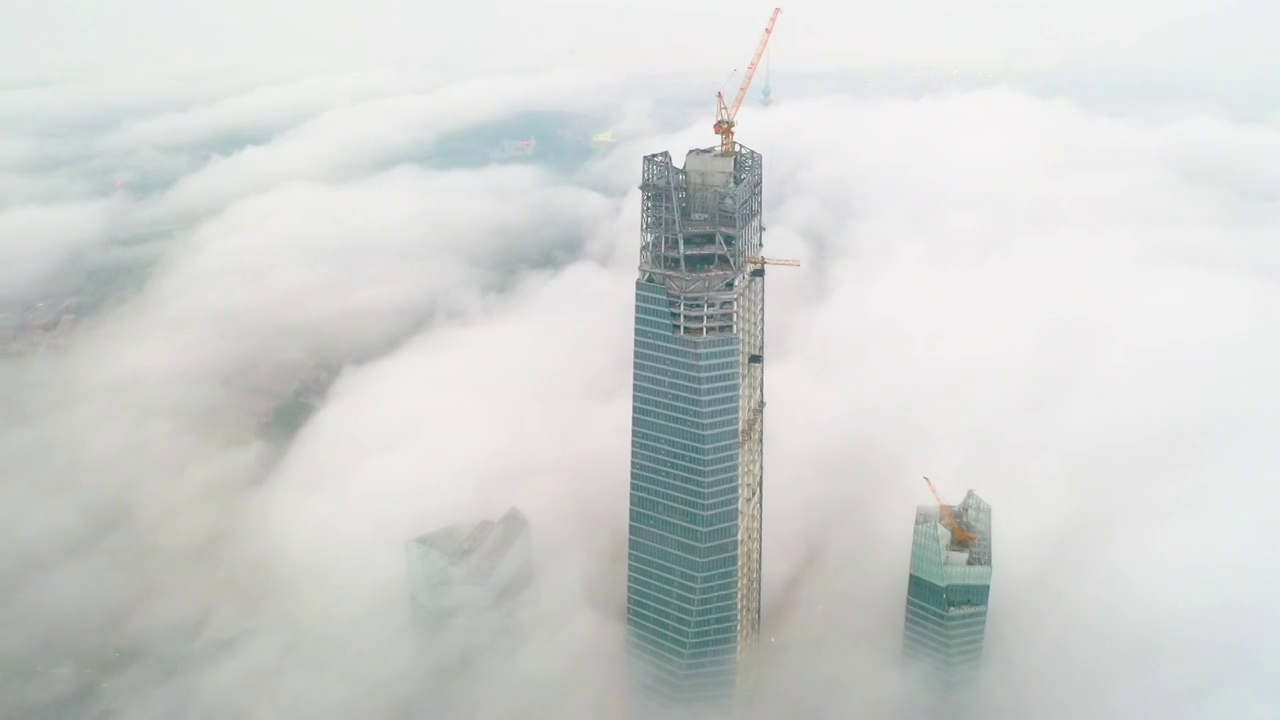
x=1198, y=41
x=1073, y=313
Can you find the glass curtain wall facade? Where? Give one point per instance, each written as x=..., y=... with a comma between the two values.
x=693, y=560
x=947, y=595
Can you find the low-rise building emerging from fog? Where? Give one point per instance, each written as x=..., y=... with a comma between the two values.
x=463, y=578
x=947, y=593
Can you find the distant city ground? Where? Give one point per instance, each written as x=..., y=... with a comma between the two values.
x=101, y=279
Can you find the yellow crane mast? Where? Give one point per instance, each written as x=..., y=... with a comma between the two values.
x=726, y=114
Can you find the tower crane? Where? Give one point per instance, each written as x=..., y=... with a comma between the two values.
x=771, y=261
x=959, y=535
x=725, y=113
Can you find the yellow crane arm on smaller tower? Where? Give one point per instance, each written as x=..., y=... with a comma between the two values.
x=958, y=534
x=726, y=114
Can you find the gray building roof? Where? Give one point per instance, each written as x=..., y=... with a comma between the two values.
x=474, y=551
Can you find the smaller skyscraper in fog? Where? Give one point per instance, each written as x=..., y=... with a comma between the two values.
x=469, y=576
x=947, y=594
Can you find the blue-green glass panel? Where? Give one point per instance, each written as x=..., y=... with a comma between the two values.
x=682, y=554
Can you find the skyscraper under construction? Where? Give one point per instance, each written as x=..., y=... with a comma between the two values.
x=947, y=594
x=693, y=554
x=693, y=580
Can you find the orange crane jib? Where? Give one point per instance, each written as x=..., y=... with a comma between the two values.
x=725, y=113
x=958, y=534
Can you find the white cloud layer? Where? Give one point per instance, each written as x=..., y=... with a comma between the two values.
x=1075, y=315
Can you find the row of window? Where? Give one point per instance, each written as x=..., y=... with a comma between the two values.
x=690, y=512
x=645, y=383
x=642, y=547
x=694, y=376
x=970, y=628
x=945, y=622
x=697, y=575
x=653, y=410
x=660, y=361
x=683, y=531
x=687, y=607
x=951, y=596
x=694, y=467
x=651, y=365
x=945, y=610
x=705, y=472
x=700, y=439
x=701, y=553
x=696, y=499
x=675, y=619
x=664, y=325
x=653, y=310
x=697, y=417
x=673, y=643
x=661, y=332
x=709, y=386
x=689, y=483
x=717, y=402
x=692, y=360
x=693, y=486
x=705, y=585
x=690, y=348
x=726, y=385
x=660, y=365
x=701, y=447
x=722, y=610
x=700, y=528
x=651, y=290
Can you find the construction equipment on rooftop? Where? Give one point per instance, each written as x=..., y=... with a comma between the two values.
x=726, y=114
x=959, y=536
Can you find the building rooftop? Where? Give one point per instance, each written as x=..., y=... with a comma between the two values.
x=474, y=551
x=937, y=555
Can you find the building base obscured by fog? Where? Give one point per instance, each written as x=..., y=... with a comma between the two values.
x=467, y=585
